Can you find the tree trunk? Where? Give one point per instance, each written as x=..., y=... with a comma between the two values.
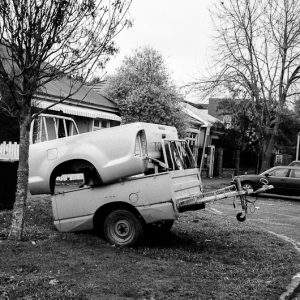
x=268, y=146
x=220, y=162
x=17, y=225
x=237, y=162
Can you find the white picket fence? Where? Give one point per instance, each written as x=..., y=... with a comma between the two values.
x=9, y=151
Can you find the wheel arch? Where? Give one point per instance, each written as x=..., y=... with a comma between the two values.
x=247, y=181
x=73, y=165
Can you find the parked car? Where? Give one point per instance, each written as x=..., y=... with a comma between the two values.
x=285, y=179
x=295, y=163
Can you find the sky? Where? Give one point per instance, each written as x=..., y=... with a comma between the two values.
x=180, y=30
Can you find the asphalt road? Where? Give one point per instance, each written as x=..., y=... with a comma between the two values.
x=280, y=216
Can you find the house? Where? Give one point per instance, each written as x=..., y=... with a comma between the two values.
x=200, y=134
x=90, y=110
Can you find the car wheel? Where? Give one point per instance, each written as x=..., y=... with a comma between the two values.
x=123, y=228
x=247, y=185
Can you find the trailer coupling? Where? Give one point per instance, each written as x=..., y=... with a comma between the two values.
x=232, y=191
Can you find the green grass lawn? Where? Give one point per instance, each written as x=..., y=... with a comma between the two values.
x=204, y=257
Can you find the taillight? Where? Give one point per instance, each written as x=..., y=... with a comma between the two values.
x=141, y=144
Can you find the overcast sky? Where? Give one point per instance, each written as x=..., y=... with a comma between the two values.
x=180, y=30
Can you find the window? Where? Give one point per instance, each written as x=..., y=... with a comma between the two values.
x=279, y=172
x=295, y=173
x=97, y=124
x=104, y=124
x=100, y=124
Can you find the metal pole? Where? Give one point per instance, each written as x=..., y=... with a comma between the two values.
x=298, y=144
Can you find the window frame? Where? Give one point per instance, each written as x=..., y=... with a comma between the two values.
x=95, y=128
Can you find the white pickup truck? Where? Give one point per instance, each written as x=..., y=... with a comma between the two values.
x=136, y=175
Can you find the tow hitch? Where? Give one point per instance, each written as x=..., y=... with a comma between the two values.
x=241, y=216
x=232, y=191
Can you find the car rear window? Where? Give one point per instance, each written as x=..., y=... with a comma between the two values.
x=295, y=173
x=279, y=172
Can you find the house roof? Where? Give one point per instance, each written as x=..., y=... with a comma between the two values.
x=197, y=105
x=76, y=110
x=98, y=87
x=83, y=94
x=200, y=115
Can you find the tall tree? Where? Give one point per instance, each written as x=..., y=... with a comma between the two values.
x=144, y=92
x=257, y=60
x=40, y=41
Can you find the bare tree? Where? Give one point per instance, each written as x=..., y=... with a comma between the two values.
x=41, y=41
x=258, y=59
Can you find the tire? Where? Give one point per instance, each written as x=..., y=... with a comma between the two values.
x=246, y=185
x=122, y=228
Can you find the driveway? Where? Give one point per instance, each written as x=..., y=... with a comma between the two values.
x=276, y=215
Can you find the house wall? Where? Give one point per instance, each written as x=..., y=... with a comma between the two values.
x=213, y=107
x=88, y=124
x=84, y=124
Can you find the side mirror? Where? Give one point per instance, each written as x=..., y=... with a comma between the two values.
x=267, y=175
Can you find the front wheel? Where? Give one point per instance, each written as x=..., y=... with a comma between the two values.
x=122, y=228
